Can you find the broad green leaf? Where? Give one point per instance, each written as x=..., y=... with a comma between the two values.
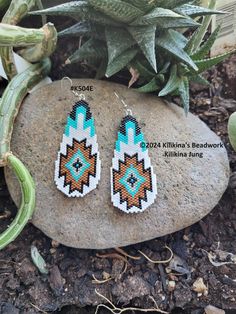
x=156, y=15
x=79, y=10
x=205, y=64
x=199, y=79
x=116, y=9
x=92, y=49
x=194, y=11
x=145, y=38
x=169, y=42
x=150, y=87
x=196, y=40
x=183, y=90
x=172, y=84
x=206, y=47
x=118, y=40
x=121, y=61
x=171, y=4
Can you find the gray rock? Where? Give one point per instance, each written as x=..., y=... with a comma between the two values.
x=188, y=187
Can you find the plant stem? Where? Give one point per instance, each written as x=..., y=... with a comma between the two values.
x=27, y=201
x=15, y=36
x=43, y=49
x=11, y=101
x=16, y=11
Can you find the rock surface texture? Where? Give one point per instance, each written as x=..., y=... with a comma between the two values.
x=188, y=187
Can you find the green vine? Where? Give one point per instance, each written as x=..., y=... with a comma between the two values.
x=38, y=45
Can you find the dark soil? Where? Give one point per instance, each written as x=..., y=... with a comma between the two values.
x=70, y=285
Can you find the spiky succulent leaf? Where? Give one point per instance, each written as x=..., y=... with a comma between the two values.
x=91, y=49
x=121, y=61
x=146, y=73
x=183, y=91
x=177, y=23
x=170, y=4
x=206, y=47
x=196, y=40
x=169, y=42
x=84, y=28
x=172, y=84
x=194, y=11
x=151, y=86
x=199, y=79
x=145, y=38
x=143, y=5
x=116, y=9
x=79, y=10
x=206, y=64
x=118, y=40
x=156, y=15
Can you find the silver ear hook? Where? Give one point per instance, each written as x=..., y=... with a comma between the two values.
x=127, y=110
x=81, y=96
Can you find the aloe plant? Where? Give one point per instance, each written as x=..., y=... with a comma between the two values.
x=146, y=37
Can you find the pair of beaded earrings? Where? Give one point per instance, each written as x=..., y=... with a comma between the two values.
x=78, y=166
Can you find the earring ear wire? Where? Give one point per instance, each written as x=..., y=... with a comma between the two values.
x=127, y=110
x=81, y=96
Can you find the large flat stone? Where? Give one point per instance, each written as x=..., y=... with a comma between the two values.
x=188, y=188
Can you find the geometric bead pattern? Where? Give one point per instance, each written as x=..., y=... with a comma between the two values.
x=133, y=182
x=78, y=166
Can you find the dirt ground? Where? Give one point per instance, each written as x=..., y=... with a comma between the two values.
x=78, y=279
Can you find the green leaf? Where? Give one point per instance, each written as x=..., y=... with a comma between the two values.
x=145, y=38
x=199, y=79
x=169, y=42
x=180, y=38
x=79, y=10
x=194, y=11
x=121, y=61
x=143, y=70
x=116, y=9
x=91, y=49
x=143, y=5
x=101, y=71
x=150, y=87
x=205, y=64
x=196, y=40
x=206, y=47
x=172, y=84
x=177, y=23
x=83, y=28
x=156, y=15
x=38, y=260
x=118, y=40
x=183, y=90
x=171, y=4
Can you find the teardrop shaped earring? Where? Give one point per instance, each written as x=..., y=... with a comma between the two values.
x=78, y=165
x=133, y=182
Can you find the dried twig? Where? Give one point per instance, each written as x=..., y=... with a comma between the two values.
x=121, y=251
x=97, y=281
x=116, y=310
x=159, y=262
